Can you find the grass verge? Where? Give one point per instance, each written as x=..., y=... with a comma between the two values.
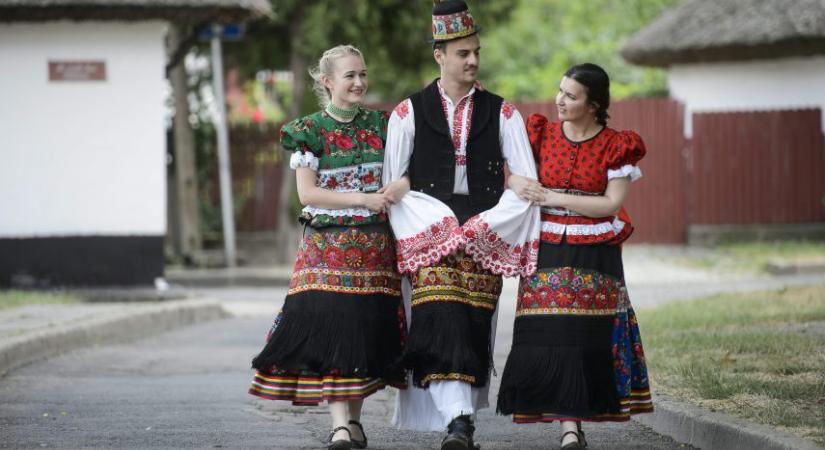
x=13, y=298
x=760, y=356
x=755, y=256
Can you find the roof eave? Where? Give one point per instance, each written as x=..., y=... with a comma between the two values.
x=782, y=49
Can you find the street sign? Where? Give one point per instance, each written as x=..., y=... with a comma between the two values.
x=229, y=32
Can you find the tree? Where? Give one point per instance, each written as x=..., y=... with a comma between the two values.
x=525, y=57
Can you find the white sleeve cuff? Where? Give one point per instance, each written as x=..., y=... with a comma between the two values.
x=300, y=159
x=625, y=171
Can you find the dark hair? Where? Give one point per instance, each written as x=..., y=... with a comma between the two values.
x=440, y=45
x=597, y=83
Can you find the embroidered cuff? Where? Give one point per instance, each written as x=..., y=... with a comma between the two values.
x=307, y=159
x=625, y=171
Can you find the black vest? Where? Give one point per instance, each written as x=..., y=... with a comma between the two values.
x=432, y=165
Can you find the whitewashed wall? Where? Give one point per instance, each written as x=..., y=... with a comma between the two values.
x=786, y=83
x=85, y=157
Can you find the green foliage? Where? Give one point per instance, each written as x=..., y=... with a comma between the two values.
x=525, y=57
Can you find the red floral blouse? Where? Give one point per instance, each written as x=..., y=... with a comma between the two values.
x=583, y=168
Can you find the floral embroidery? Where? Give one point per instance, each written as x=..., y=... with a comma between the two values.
x=402, y=109
x=571, y=290
x=495, y=254
x=429, y=246
x=351, y=261
x=360, y=178
x=457, y=278
x=507, y=109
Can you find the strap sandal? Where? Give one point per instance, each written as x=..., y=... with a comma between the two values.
x=356, y=443
x=576, y=445
x=340, y=444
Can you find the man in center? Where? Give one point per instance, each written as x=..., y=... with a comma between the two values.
x=457, y=228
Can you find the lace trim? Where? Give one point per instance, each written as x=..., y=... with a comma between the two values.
x=307, y=159
x=349, y=212
x=497, y=255
x=579, y=229
x=429, y=246
x=627, y=170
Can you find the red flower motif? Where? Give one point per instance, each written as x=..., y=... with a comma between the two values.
x=361, y=135
x=331, y=183
x=329, y=137
x=402, y=109
x=371, y=257
x=375, y=142
x=507, y=109
x=369, y=178
x=353, y=257
x=343, y=141
x=334, y=257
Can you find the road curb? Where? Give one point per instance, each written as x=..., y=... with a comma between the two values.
x=105, y=329
x=709, y=430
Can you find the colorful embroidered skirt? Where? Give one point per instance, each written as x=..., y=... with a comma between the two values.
x=340, y=333
x=577, y=353
x=452, y=307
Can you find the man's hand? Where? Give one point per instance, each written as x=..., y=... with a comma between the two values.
x=396, y=190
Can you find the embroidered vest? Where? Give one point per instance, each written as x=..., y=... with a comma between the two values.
x=432, y=165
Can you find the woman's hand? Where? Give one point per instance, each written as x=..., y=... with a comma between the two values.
x=376, y=202
x=396, y=190
x=525, y=188
x=551, y=199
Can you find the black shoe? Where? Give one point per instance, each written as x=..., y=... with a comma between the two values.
x=459, y=435
x=575, y=445
x=355, y=442
x=339, y=444
x=582, y=440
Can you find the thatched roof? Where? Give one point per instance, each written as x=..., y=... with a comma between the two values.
x=189, y=11
x=730, y=30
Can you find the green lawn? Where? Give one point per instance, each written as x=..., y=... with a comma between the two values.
x=12, y=298
x=755, y=256
x=760, y=356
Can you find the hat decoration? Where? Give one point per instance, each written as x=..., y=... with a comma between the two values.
x=452, y=20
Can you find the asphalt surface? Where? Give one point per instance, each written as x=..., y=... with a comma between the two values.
x=187, y=389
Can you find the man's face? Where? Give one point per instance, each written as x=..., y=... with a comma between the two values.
x=460, y=59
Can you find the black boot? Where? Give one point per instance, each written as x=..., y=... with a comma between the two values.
x=459, y=435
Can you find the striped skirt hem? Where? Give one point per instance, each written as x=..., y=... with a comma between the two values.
x=639, y=403
x=312, y=390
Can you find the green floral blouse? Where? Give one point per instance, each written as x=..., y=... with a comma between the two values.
x=347, y=157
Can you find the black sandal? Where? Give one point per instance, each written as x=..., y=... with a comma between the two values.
x=582, y=440
x=573, y=445
x=340, y=444
x=355, y=442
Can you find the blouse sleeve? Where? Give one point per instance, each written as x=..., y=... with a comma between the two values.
x=626, y=150
x=535, y=132
x=297, y=137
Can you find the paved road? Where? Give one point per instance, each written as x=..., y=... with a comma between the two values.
x=187, y=388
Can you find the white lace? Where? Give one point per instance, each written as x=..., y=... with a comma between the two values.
x=627, y=170
x=299, y=159
x=363, y=212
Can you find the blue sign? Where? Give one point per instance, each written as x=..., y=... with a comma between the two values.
x=230, y=32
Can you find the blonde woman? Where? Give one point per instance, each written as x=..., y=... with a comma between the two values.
x=339, y=328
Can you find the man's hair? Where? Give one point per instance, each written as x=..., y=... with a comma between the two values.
x=441, y=46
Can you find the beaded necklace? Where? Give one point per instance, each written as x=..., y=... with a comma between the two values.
x=337, y=111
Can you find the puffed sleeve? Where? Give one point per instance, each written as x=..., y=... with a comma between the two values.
x=535, y=132
x=626, y=150
x=299, y=138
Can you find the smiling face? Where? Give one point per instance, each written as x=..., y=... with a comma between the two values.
x=572, y=102
x=459, y=60
x=348, y=83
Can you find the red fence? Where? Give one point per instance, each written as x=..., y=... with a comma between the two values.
x=757, y=167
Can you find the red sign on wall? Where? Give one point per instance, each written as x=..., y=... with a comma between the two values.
x=77, y=70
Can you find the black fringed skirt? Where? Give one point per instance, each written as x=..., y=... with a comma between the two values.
x=577, y=353
x=342, y=326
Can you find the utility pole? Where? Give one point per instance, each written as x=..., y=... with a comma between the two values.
x=227, y=208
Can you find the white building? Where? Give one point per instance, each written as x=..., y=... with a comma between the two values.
x=738, y=55
x=83, y=138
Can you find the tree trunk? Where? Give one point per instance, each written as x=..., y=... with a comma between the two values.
x=288, y=231
x=188, y=245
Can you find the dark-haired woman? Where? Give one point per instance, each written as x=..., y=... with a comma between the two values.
x=577, y=355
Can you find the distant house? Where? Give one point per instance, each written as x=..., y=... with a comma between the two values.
x=83, y=138
x=729, y=55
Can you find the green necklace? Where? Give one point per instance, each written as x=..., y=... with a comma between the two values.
x=337, y=111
